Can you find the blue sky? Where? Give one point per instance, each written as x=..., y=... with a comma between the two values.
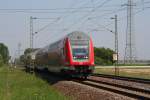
x=90, y=17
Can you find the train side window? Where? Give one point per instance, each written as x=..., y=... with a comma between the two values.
x=63, y=51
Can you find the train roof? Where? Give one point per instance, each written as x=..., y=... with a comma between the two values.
x=76, y=35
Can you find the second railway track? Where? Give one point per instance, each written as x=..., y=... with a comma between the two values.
x=132, y=79
x=133, y=92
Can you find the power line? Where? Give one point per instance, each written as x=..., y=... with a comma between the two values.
x=93, y=10
x=41, y=29
x=60, y=17
x=53, y=9
x=106, y=14
x=122, y=18
x=65, y=16
x=122, y=9
x=32, y=33
x=46, y=9
x=57, y=12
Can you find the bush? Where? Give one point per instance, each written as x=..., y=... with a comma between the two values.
x=103, y=56
x=4, y=53
x=99, y=61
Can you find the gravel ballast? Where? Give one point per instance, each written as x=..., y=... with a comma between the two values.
x=77, y=91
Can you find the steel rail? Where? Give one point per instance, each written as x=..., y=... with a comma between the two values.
x=132, y=79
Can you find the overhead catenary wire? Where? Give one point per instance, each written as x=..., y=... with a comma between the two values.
x=55, y=12
x=93, y=10
x=105, y=15
x=105, y=26
x=44, y=27
x=100, y=17
x=41, y=29
x=120, y=19
x=60, y=17
x=67, y=16
x=61, y=10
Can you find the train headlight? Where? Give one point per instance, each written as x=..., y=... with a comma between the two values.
x=86, y=57
x=74, y=57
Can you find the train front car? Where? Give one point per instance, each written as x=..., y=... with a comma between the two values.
x=79, y=54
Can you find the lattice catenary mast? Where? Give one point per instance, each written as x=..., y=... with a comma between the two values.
x=130, y=49
x=31, y=32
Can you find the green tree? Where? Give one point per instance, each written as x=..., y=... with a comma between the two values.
x=4, y=53
x=103, y=56
x=1, y=60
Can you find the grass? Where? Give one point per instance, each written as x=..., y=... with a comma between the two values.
x=133, y=64
x=18, y=85
x=129, y=72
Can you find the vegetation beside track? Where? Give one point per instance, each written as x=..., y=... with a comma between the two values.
x=103, y=56
x=128, y=72
x=18, y=85
x=4, y=54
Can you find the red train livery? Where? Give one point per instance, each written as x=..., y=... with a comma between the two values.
x=72, y=55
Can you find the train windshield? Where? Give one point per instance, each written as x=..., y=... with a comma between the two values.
x=80, y=49
x=80, y=52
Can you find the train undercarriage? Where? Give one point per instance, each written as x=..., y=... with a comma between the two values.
x=74, y=71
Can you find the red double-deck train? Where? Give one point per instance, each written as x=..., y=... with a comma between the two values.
x=72, y=55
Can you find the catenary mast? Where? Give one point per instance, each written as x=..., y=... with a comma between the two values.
x=130, y=49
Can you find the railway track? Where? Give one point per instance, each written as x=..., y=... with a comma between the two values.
x=139, y=80
x=132, y=92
